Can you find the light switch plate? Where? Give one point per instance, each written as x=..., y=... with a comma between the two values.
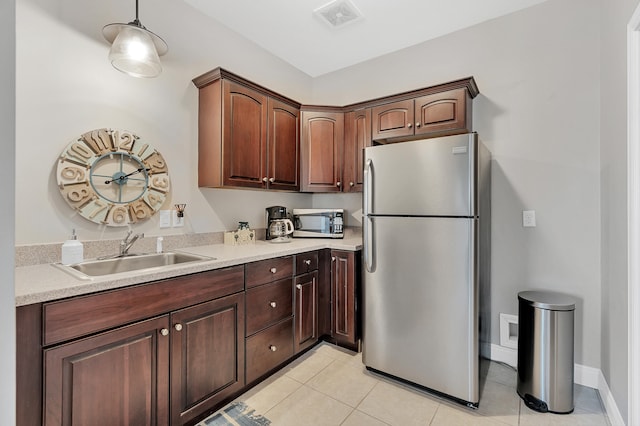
x=177, y=221
x=529, y=218
x=165, y=219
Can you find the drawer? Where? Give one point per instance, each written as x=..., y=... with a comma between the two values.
x=268, y=304
x=68, y=319
x=266, y=271
x=306, y=262
x=268, y=349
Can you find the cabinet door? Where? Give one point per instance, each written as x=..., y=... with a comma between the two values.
x=244, y=127
x=306, y=314
x=207, y=356
x=114, y=378
x=442, y=113
x=393, y=120
x=343, y=281
x=283, y=147
x=321, y=148
x=357, y=136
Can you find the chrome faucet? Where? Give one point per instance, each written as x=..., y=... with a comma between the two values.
x=126, y=243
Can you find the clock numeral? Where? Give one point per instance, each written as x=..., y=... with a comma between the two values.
x=72, y=173
x=99, y=141
x=139, y=210
x=160, y=183
x=125, y=140
x=156, y=163
x=118, y=215
x=78, y=194
x=95, y=211
x=80, y=151
x=155, y=200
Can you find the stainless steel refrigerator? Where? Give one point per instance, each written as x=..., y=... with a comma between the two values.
x=426, y=208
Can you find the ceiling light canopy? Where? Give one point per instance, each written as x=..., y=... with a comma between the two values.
x=134, y=49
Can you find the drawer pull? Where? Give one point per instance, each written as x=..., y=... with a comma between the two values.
x=333, y=258
x=273, y=304
x=164, y=332
x=273, y=270
x=299, y=286
x=273, y=348
x=307, y=262
x=178, y=327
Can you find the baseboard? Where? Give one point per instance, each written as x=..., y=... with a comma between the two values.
x=582, y=375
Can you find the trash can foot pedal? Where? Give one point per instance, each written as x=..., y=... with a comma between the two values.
x=535, y=404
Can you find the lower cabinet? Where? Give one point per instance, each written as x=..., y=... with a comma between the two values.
x=345, y=324
x=116, y=378
x=169, y=352
x=207, y=357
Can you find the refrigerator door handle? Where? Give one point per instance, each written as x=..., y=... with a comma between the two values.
x=368, y=236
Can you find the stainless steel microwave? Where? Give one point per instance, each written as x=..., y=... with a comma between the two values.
x=318, y=223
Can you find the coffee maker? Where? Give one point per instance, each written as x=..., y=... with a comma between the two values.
x=279, y=226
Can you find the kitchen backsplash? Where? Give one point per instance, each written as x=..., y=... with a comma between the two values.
x=35, y=254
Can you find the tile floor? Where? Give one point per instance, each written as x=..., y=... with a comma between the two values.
x=330, y=386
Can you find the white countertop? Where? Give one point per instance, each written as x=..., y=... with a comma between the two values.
x=42, y=283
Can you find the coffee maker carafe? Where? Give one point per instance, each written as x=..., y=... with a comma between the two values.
x=279, y=226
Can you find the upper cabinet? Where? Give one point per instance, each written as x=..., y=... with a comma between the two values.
x=437, y=114
x=357, y=136
x=247, y=136
x=321, y=150
x=251, y=137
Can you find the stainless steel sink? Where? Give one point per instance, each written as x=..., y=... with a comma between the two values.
x=115, y=265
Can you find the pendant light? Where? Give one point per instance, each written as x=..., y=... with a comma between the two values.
x=134, y=49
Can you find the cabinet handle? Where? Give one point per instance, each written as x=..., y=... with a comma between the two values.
x=418, y=124
x=299, y=286
x=273, y=348
x=351, y=183
x=338, y=184
x=307, y=262
x=272, y=180
x=333, y=258
x=273, y=304
x=164, y=332
x=264, y=179
x=409, y=125
x=273, y=270
x=178, y=327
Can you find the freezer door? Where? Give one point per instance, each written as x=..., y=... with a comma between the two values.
x=430, y=177
x=421, y=303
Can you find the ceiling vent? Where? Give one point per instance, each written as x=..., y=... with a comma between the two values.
x=338, y=13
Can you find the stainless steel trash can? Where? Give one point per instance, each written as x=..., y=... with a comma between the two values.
x=545, y=351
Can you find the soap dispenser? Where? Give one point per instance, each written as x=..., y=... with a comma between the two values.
x=72, y=250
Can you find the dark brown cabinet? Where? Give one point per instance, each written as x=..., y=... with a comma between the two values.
x=344, y=293
x=158, y=353
x=269, y=330
x=357, y=136
x=306, y=301
x=437, y=114
x=247, y=136
x=321, y=148
x=117, y=377
x=207, y=358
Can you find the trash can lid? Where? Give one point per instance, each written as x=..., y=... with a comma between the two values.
x=548, y=300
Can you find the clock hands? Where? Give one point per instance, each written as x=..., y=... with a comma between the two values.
x=124, y=177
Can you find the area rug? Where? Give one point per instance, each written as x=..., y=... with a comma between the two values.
x=236, y=414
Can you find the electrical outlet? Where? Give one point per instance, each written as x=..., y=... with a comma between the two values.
x=165, y=219
x=529, y=218
x=177, y=221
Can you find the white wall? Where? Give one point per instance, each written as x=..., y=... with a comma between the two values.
x=613, y=180
x=7, y=238
x=66, y=86
x=538, y=112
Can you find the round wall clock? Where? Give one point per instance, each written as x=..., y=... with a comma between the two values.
x=112, y=177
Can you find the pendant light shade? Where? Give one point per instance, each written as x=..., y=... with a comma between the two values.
x=134, y=49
